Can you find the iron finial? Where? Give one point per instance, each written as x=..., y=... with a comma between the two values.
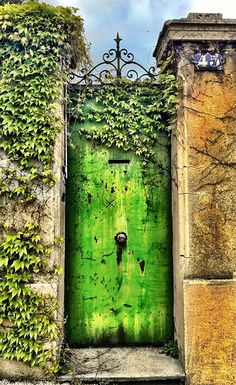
x=118, y=38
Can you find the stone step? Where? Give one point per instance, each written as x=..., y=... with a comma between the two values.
x=133, y=382
x=125, y=364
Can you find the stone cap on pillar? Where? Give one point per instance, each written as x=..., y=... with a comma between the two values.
x=196, y=27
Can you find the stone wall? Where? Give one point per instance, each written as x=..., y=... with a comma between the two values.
x=208, y=100
x=204, y=186
x=210, y=330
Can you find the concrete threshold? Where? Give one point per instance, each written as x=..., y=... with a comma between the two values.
x=124, y=364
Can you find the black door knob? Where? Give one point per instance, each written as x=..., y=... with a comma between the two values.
x=121, y=238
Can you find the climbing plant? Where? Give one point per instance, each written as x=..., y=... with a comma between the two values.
x=128, y=115
x=38, y=45
x=3, y=2
x=26, y=317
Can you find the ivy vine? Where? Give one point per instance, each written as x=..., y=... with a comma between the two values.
x=27, y=322
x=128, y=115
x=38, y=44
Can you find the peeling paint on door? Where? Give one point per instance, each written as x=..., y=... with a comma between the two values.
x=118, y=294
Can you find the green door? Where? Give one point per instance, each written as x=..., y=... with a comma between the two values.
x=117, y=293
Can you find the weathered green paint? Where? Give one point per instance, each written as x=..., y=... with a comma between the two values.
x=117, y=296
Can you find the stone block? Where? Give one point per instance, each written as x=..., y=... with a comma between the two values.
x=16, y=370
x=210, y=330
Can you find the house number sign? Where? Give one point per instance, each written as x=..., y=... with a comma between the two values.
x=208, y=61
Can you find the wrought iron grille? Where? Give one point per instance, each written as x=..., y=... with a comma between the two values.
x=117, y=63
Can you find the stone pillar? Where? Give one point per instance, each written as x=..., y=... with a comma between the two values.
x=204, y=191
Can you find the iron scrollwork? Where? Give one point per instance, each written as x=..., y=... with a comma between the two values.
x=117, y=60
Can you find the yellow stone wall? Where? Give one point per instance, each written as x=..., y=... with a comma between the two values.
x=204, y=197
x=206, y=128
x=209, y=101
x=206, y=169
x=210, y=328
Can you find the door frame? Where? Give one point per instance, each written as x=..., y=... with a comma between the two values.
x=180, y=232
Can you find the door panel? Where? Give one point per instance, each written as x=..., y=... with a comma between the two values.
x=117, y=294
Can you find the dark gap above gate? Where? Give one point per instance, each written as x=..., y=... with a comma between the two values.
x=117, y=64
